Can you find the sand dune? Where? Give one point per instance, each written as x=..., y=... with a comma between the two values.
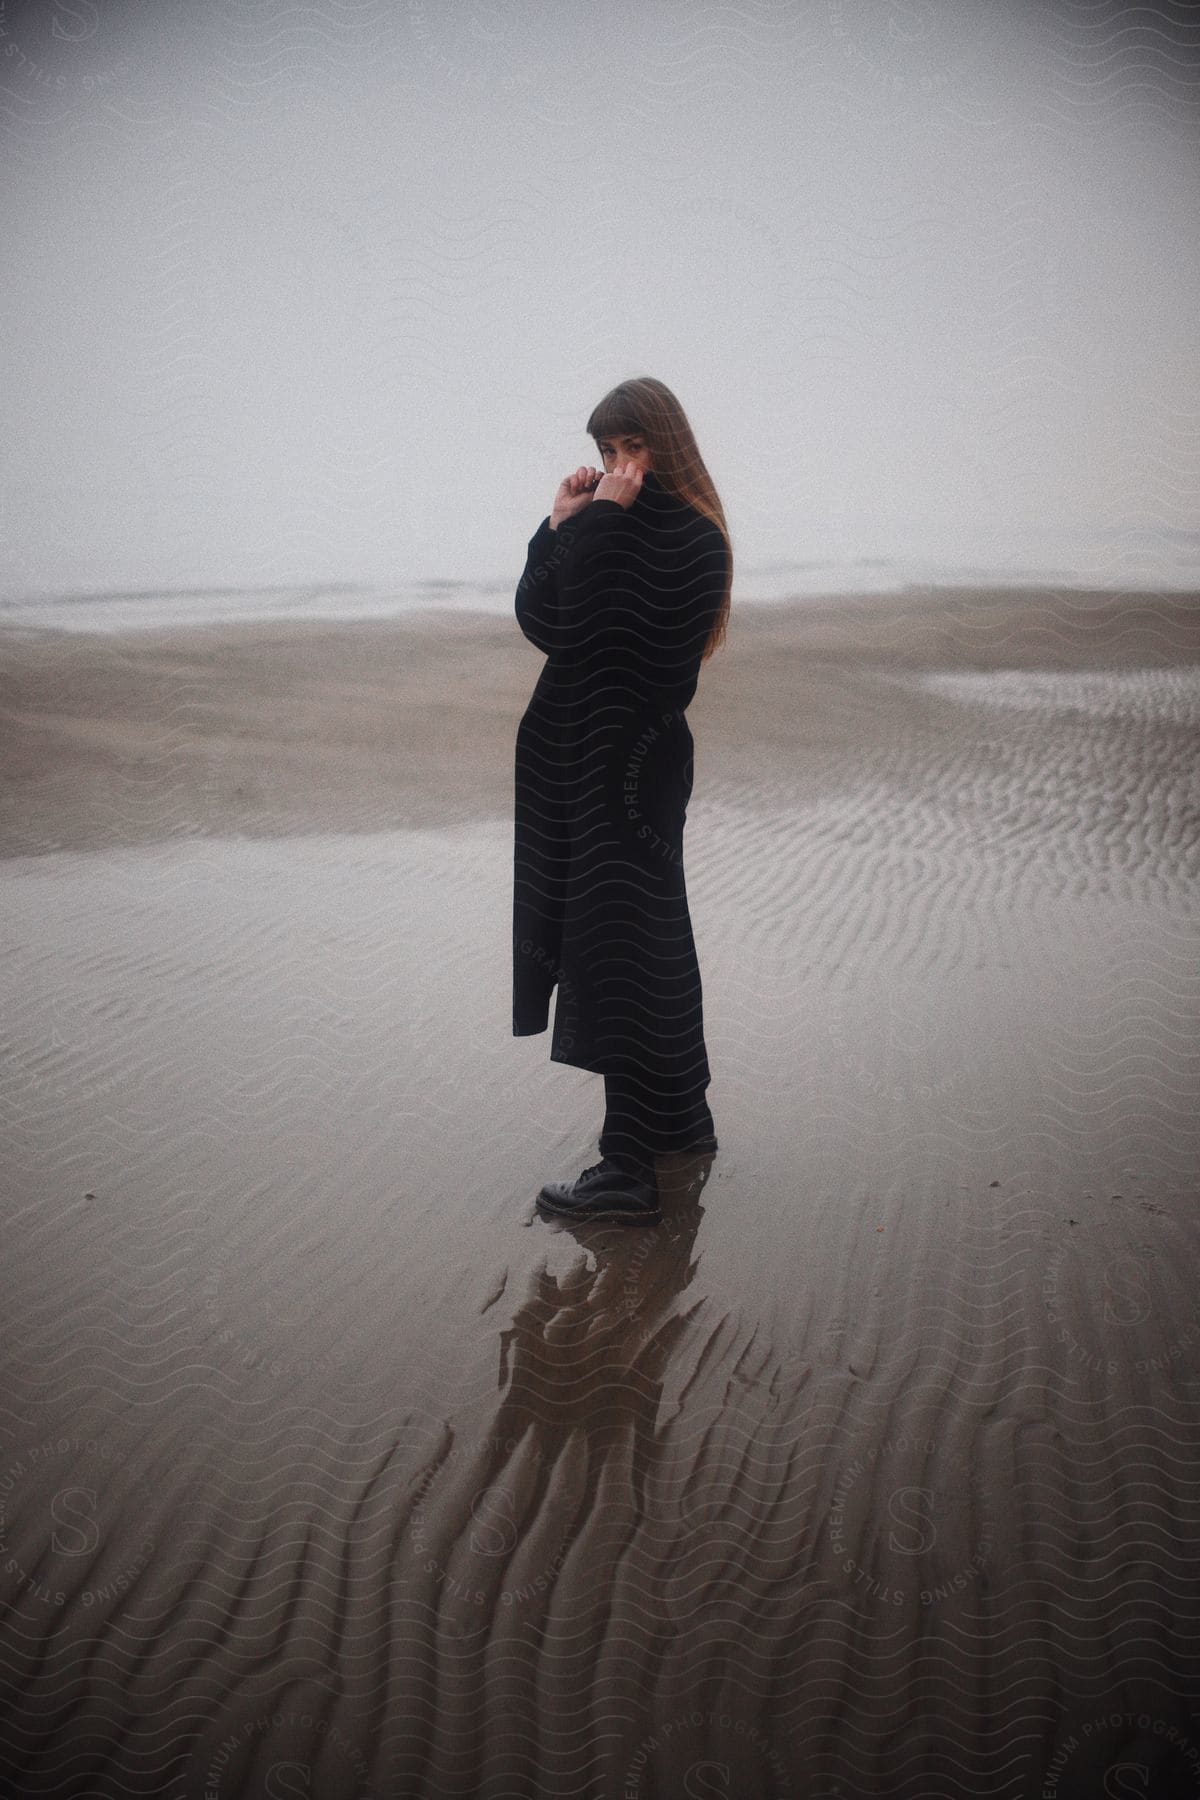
x=328, y=1467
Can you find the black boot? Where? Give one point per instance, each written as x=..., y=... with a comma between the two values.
x=619, y=1189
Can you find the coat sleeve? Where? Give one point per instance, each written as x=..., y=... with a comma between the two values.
x=571, y=554
x=537, y=591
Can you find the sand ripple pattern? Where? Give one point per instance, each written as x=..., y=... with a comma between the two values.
x=325, y=1462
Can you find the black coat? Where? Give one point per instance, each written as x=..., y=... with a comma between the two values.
x=621, y=600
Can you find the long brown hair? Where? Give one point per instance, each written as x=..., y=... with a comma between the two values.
x=648, y=407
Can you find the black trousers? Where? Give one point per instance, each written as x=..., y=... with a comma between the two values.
x=651, y=1115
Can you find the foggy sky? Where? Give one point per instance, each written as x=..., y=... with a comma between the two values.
x=327, y=291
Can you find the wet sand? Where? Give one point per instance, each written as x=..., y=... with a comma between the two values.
x=327, y=1466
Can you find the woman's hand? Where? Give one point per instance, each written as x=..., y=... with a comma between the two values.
x=574, y=492
x=623, y=485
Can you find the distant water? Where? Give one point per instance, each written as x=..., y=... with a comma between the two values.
x=1123, y=568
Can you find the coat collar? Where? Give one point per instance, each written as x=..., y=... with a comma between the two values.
x=655, y=502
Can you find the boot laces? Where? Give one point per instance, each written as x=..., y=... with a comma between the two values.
x=606, y=1166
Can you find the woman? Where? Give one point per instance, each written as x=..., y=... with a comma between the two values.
x=626, y=590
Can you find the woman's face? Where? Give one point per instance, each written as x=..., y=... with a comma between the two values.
x=622, y=449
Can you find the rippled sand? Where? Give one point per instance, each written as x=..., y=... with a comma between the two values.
x=327, y=1466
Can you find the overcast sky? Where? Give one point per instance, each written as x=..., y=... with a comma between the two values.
x=326, y=291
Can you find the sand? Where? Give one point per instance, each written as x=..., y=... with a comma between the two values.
x=329, y=1467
